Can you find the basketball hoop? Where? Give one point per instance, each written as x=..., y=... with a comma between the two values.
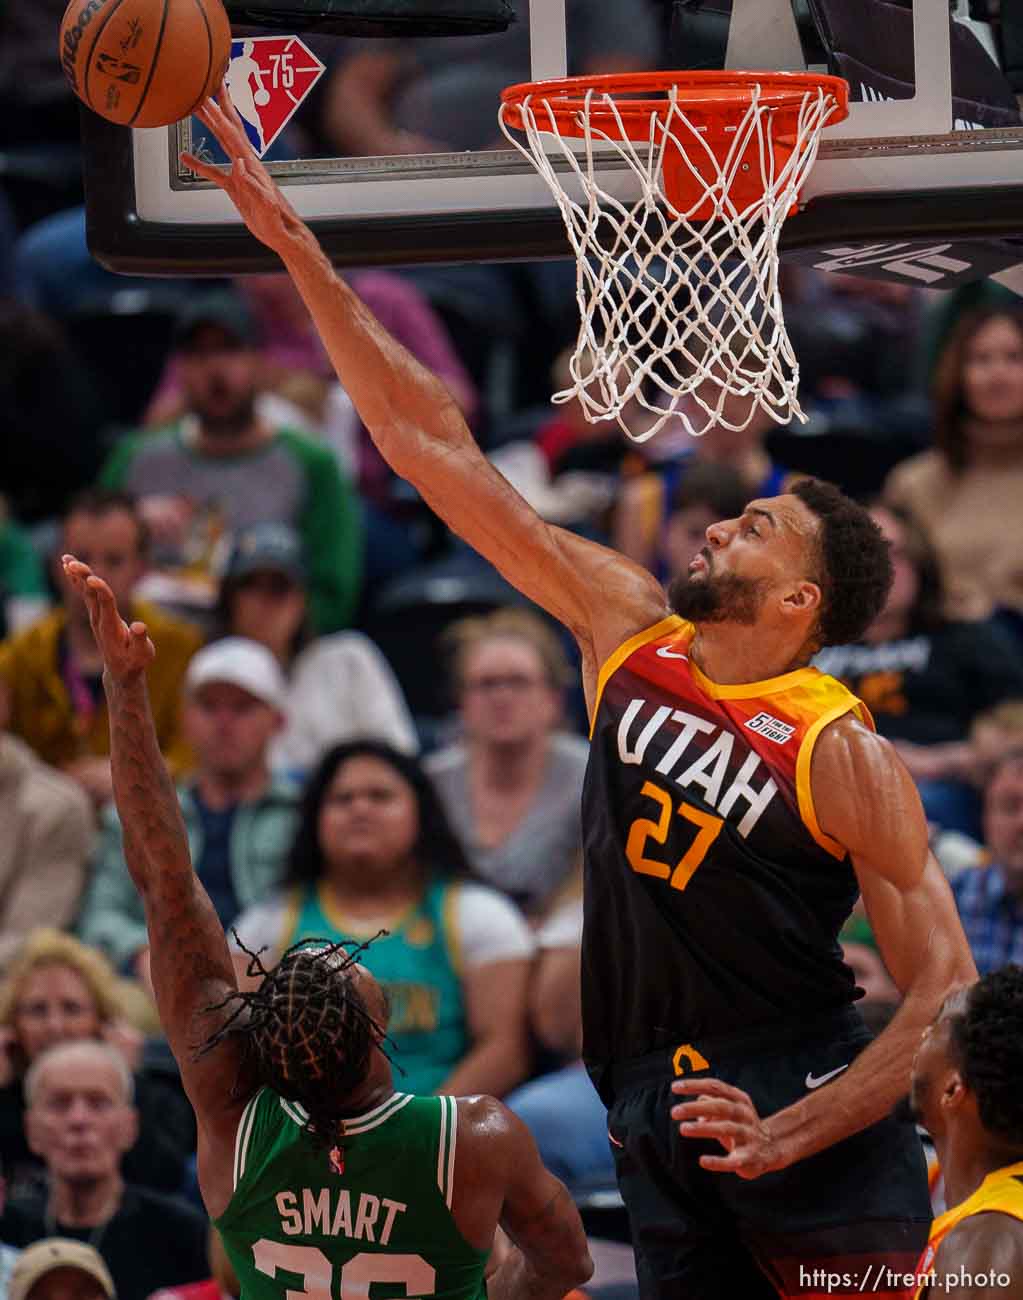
x=678, y=290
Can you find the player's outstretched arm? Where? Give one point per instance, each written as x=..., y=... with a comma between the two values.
x=191, y=966
x=419, y=429
x=866, y=800
x=498, y=1171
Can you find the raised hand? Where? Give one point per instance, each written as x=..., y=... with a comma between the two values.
x=247, y=183
x=127, y=651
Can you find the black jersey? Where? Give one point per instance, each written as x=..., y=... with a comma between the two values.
x=713, y=898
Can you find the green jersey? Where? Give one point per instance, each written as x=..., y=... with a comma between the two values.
x=368, y=1221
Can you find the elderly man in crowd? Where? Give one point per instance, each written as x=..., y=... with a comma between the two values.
x=81, y=1121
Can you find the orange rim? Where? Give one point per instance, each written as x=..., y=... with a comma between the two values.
x=718, y=97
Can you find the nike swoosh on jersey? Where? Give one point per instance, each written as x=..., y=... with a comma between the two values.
x=815, y=1082
x=665, y=653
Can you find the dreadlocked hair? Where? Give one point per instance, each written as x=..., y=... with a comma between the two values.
x=987, y=1035
x=306, y=1030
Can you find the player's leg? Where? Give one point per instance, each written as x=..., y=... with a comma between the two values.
x=851, y=1220
x=686, y=1244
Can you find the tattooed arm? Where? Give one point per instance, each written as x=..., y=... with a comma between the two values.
x=191, y=966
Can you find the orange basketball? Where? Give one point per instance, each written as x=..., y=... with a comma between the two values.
x=144, y=62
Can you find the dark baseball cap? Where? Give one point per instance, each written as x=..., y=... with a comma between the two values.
x=267, y=547
x=221, y=308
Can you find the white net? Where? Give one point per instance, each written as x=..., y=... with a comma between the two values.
x=680, y=311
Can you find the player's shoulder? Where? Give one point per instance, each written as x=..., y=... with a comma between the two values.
x=988, y=1241
x=848, y=749
x=864, y=796
x=482, y=1115
x=488, y=1128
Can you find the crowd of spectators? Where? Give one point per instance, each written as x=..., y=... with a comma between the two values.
x=341, y=773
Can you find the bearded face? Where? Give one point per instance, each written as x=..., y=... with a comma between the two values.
x=703, y=596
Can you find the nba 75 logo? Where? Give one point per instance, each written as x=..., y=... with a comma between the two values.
x=267, y=79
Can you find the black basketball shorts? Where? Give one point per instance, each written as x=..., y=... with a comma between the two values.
x=852, y=1219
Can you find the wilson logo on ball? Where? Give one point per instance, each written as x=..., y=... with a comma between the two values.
x=267, y=79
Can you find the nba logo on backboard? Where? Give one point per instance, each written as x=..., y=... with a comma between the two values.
x=267, y=79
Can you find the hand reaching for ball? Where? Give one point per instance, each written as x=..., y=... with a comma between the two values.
x=247, y=183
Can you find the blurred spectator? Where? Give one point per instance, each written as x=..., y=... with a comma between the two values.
x=419, y=96
x=296, y=365
x=374, y=856
x=57, y=991
x=81, y=1120
x=995, y=732
x=945, y=311
x=966, y=491
x=239, y=820
x=568, y=468
x=296, y=384
x=221, y=468
x=925, y=678
x=852, y=336
x=24, y=595
x=34, y=94
x=706, y=493
x=339, y=687
x=83, y=1275
x=47, y=836
x=647, y=498
x=568, y=440
x=7, y=235
x=222, y=1284
x=511, y=787
x=53, y=670
x=562, y=1109
x=50, y=415
x=990, y=897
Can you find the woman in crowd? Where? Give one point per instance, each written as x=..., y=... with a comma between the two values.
x=58, y=990
x=966, y=491
x=511, y=786
x=340, y=686
x=926, y=678
x=375, y=862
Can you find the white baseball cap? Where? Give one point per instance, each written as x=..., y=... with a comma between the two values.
x=242, y=663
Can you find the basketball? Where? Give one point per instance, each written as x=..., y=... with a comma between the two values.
x=144, y=62
x=261, y=97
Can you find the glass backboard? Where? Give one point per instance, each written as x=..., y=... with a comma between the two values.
x=395, y=156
